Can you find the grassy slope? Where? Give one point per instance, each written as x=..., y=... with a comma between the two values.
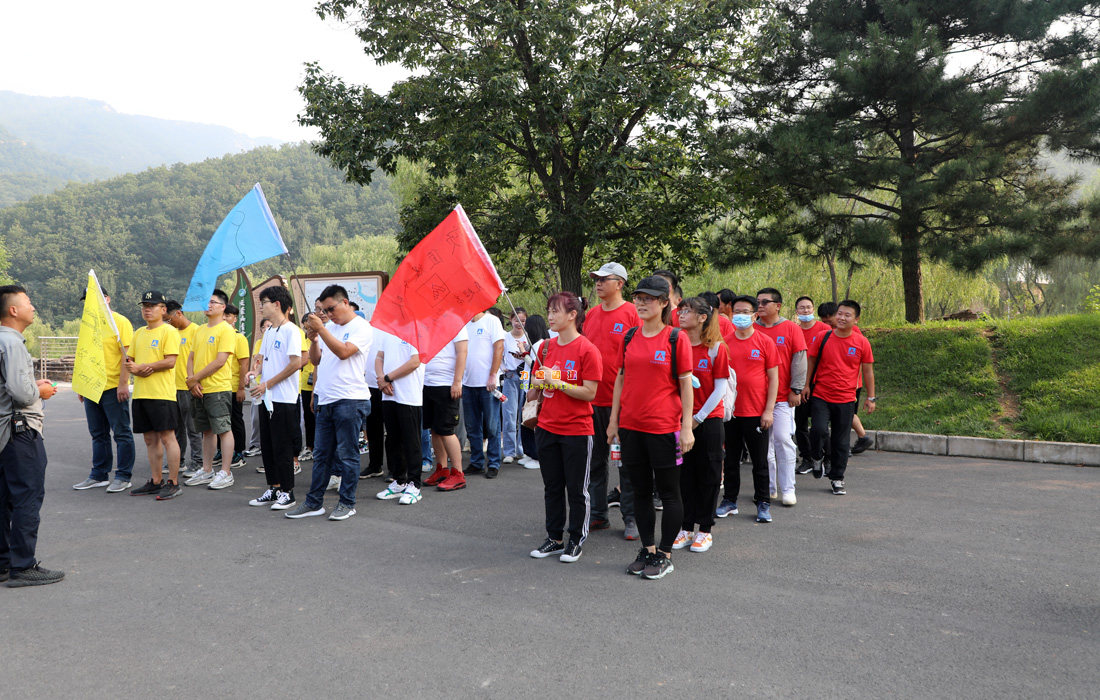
x=944, y=378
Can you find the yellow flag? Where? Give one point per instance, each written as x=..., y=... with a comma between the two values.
x=89, y=369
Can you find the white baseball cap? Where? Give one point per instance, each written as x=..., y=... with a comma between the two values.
x=611, y=268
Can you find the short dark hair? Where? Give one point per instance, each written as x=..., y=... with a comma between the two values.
x=222, y=296
x=277, y=293
x=799, y=299
x=749, y=299
x=662, y=272
x=84, y=293
x=172, y=306
x=726, y=296
x=711, y=298
x=353, y=305
x=773, y=293
x=851, y=304
x=827, y=309
x=333, y=291
x=6, y=293
x=231, y=310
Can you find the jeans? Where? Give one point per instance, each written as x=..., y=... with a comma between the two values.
x=336, y=451
x=513, y=412
x=104, y=418
x=482, y=423
x=425, y=446
x=22, y=486
x=186, y=435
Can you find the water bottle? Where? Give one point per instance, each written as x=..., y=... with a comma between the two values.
x=499, y=395
x=616, y=454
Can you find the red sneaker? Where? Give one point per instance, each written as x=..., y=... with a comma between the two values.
x=454, y=482
x=438, y=475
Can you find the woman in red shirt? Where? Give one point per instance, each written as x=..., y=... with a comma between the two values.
x=651, y=417
x=701, y=475
x=567, y=370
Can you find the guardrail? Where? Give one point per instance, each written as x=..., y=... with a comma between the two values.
x=56, y=355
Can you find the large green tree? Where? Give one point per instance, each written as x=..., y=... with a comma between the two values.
x=928, y=119
x=560, y=126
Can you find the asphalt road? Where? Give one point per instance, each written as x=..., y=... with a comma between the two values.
x=935, y=577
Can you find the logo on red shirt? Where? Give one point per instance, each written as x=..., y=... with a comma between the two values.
x=570, y=364
x=851, y=351
x=755, y=354
x=618, y=328
x=703, y=363
x=779, y=340
x=659, y=356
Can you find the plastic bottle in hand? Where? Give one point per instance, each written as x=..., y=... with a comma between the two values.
x=616, y=454
x=499, y=395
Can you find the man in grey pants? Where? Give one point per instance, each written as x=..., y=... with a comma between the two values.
x=186, y=434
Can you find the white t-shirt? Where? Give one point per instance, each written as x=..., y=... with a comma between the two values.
x=441, y=370
x=479, y=352
x=379, y=338
x=407, y=390
x=511, y=344
x=278, y=346
x=344, y=379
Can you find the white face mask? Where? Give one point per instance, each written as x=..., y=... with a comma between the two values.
x=805, y=318
x=742, y=320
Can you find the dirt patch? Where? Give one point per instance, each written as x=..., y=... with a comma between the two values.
x=1009, y=400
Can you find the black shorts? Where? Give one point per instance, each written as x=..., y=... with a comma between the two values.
x=154, y=415
x=440, y=410
x=859, y=391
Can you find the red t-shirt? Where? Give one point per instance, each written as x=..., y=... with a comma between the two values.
x=707, y=370
x=606, y=330
x=650, y=402
x=725, y=326
x=750, y=360
x=788, y=339
x=818, y=329
x=576, y=362
x=840, y=367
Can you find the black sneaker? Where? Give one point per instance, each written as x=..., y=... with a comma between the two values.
x=804, y=466
x=238, y=460
x=370, y=472
x=3, y=575
x=150, y=488
x=818, y=468
x=469, y=471
x=614, y=498
x=269, y=496
x=492, y=473
x=861, y=445
x=548, y=549
x=838, y=488
x=599, y=524
x=572, y=553
x=659, y=565
x=637, y=566
x=34, y=576
x=170, y=490
x=218, y=458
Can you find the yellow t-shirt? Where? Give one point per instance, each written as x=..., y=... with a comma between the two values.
x=308, y=374
x=208, y=343
x=151, y=345
x=240, y=352
x=112, y=353
x=187, y=344
x=256, y=351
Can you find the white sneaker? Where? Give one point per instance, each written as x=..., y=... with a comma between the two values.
x=199, y=479
x=702, y=542
x=410, y=496
x=91, y=483
x=333, y=483
x=222, y=480
x=188, y=473
x=307, y=454
x=522, y=461
x=394, y=490
x=283, y=501
x=508, y=460
x=682, y=540
x=297, y=467
x=789, y=499
x=533, y=464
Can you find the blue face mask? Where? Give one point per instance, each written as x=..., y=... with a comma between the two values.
x=805, y=318
x=742, y=320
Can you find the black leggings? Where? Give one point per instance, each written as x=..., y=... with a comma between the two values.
x=650, y=459
x=701, y=475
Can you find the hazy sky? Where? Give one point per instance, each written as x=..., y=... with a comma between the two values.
x=231, y=62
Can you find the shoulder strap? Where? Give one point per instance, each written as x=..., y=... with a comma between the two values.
x=545, y=348
x=820, y=353
x=673, y=337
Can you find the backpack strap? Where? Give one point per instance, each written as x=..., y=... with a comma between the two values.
x=820, y=354
x=626, y=341
x=673, y=337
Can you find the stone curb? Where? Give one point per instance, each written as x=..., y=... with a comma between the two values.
x=986, y=448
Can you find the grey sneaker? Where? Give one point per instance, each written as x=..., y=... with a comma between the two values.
x=222, y=480
x=341, y=512
x=200, y=478
x=90, y=484
x=118, y=486
x=191, y=471
x=304, y=511
x=34, y=576
x=631, y=533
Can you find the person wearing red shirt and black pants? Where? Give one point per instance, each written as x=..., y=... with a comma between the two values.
x=755, y=363
x=652, y=403
x=837, y=360
x=701, y=475
x=811, y=328
x=605, y=326
x=567, y=371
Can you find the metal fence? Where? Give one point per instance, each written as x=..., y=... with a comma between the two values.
x=55, y=358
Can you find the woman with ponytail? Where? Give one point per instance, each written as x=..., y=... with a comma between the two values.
x=701, y=474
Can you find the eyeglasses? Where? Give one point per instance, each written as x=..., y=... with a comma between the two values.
x=215, y=301
x=329, y=309
x=646, y=299
x=765, y=302
x=609, y=278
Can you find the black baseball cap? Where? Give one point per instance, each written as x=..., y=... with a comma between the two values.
x=84, y=294
x=653, y=285
x=154, y=297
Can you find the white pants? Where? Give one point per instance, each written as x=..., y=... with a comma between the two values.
x=782, y=451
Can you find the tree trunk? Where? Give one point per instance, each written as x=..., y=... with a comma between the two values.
x=570, y=259
x=908, y=223
x=912, y=277
x=830, y=260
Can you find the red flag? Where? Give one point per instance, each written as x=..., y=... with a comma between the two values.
x=439, y=286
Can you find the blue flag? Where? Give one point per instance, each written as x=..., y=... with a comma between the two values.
x=247, y=235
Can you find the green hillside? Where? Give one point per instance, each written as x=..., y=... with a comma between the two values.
x=148, y=230
x=26, y=170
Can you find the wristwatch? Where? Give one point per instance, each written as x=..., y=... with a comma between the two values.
x=387, y=378
x=872, y=398
x=795, y=391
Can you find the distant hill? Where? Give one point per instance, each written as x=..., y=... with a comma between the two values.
x=147, y=230
x=26, y=170
x=93, y=131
